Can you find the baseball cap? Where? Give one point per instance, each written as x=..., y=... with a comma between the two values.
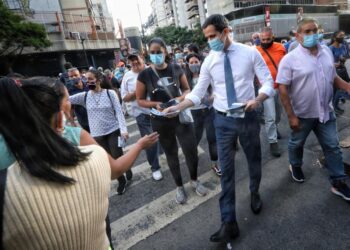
x=133, y=55
x=120, y=64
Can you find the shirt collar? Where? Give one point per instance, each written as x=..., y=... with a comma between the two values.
x=232, y=46
x=308, y=52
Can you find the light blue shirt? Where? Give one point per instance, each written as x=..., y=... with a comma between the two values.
x=100, y=109
x=6, y=157
x=310, y=79
x=72, y=134
x=246, y=62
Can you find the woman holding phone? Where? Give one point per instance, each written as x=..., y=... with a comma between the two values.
x=159, y=86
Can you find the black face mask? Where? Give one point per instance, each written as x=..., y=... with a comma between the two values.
x=340, y=39
x=91, y=86
x=266, y=45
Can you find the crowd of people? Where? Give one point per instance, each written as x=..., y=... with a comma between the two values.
x=62, y=140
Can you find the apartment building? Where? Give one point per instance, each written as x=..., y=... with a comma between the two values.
x=81, y=31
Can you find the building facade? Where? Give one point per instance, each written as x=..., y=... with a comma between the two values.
x=75, y=29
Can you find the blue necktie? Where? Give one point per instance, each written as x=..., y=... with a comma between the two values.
x=230, y=88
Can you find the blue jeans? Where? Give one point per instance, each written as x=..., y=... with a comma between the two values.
x=327, y=136
x=204, y=118
x=144, y=123
x=228, y=130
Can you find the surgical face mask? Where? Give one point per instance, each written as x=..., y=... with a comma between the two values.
x=310, y=40
x=121, y=69
x=157, y=59
x=178, y=56
x=91, y=85
x=216, y=44
x=320, y=36
x=292, y=39
x=256, y=41
x=195, y=68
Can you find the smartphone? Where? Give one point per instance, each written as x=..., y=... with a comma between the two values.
x=236, y=106
x=168, y=104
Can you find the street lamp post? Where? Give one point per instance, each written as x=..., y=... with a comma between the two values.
x=82, y=40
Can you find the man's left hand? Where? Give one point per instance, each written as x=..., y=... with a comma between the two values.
x=251, y=105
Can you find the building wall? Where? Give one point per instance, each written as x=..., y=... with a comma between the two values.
x=77, y=7
x=162, y=19
x=180, y=13
x=219, y=7
x=202, y=9
x=134, y=37
x=44, y=5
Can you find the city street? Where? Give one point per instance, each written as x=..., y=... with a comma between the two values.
x=294, y=216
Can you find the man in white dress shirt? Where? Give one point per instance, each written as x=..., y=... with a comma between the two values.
x=230, y=69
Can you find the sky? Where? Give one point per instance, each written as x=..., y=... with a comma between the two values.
x=126, y=10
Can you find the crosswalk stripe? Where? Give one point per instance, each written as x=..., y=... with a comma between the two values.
x=143, y=172
x=130, y=122
x=134, y=133
x=149, y=219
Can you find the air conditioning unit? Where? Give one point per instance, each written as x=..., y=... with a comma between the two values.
x=75, y=35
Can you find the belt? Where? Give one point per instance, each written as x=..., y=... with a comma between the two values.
x=221, y=113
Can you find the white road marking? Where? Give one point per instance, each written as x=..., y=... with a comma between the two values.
x=142, y=172
x=152, y=217
x=130, y=122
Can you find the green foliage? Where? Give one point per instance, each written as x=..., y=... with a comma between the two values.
x=16, y=33
x=179, y=36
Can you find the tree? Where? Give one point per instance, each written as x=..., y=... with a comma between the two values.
x=179, y=36
x=16, y=34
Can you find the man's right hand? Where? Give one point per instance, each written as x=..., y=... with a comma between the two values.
x=294, y=123
x=171, y=111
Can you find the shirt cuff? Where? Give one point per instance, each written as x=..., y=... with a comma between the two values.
x=267, y=90
x=193, y=98
x=123, y=130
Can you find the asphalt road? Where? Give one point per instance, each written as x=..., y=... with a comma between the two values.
x=294, y=216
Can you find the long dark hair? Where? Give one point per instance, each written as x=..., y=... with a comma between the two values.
x=45, y=93
x=35, y=145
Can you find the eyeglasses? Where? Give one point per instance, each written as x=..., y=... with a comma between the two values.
x=155, y=52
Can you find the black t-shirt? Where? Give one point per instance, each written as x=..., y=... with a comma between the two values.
x=155, y=86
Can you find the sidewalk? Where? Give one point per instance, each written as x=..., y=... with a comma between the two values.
x=294, y=216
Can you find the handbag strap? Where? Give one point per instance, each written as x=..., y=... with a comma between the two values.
x=268, y=54
x=3, y=177
x=163, y=85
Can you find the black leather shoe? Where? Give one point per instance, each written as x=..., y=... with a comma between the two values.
x=226, y=233
x=256, y=203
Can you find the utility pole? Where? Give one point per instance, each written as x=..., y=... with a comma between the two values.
x=142, y=30
x=82, y=40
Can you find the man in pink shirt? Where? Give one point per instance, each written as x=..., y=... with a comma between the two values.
x=306, y=78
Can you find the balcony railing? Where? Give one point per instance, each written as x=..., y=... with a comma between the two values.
x=191, y=5
x=67, y=31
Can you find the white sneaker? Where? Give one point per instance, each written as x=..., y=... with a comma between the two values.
x=157, y=175
x=199, y=188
